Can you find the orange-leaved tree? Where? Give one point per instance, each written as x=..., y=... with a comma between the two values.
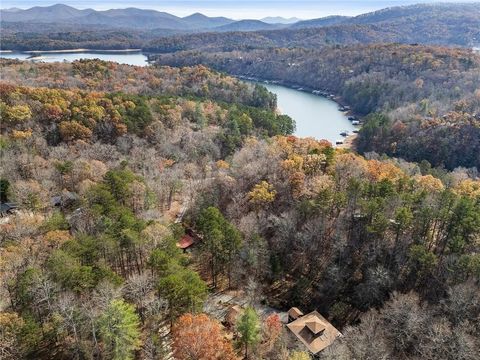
x=199, y=337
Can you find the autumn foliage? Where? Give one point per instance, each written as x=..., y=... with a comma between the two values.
x=199, y=337
x=89, y=262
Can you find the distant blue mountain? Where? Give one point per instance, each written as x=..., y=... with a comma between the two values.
x=249, y=25
x=115, y=18
x=279, y=20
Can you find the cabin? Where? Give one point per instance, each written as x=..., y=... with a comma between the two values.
x=294, y=313
x=312, y=330
x=186, y=243
x=189, y=240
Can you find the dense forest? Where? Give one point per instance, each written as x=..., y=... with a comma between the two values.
x=165, y=40
x=97, y=177
x=12, y=39
x=313, y=38
x=167, y=211
x=100, y=158
x=90, y=75
x=341, y=233
x=416, y=90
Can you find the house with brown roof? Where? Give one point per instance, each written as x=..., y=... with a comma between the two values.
x=313, y=330
x=294, y=313
x=186, y=242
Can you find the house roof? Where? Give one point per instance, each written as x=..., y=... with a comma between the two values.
x=185, y=242
x=314, y=331
x=315, y=325
x=295, y=313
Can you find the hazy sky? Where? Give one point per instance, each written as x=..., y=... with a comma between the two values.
x=238, y=9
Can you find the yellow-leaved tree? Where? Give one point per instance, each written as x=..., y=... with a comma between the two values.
x=262, y=194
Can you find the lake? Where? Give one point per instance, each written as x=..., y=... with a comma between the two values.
x=314, y=115
x=130, y=58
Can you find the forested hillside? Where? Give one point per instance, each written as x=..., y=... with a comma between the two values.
x=68, y=38
x=313, y=38
x=429, y=96
x=304, y=38
x=93, y=75
x=418, y=17
x=167, y=211
x=336, y=232
x=97, y=176
x=101, y=158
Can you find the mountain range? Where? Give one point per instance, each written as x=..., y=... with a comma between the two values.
x=140, y=19
x=279, y=20
x=442, y=24
x=133, y=18
x=61, y=26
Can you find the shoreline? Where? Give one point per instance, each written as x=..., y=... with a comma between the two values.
x=321, y=93
x=68, y=51
x=348, y=141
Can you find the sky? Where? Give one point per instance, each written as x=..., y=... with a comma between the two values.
x=236, y=9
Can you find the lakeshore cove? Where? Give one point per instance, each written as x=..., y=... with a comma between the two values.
x=130, y=57
x=315, y=116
